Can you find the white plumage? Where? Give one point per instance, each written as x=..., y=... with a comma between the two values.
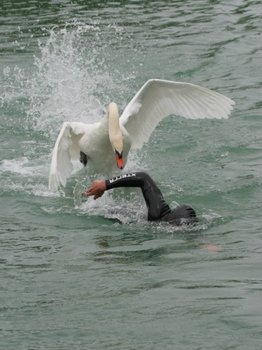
x=156, y=100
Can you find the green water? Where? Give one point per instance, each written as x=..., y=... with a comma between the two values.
x=71, y=276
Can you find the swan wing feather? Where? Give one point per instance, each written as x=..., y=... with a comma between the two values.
x=65, y=150
x=158, y=99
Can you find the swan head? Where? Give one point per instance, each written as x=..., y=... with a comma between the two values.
x=115, y=133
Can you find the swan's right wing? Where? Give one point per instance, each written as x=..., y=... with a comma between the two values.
x=158, y=99
x=65, y=150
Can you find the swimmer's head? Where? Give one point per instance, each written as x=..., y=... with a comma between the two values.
x=182, y=215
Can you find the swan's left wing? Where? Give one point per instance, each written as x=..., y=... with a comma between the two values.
x=158, y=99
x=65, y=150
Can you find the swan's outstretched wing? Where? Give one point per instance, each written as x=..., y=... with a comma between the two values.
x=66, y=149
x=158, y=99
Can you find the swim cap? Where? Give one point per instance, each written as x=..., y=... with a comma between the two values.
x=182, y=215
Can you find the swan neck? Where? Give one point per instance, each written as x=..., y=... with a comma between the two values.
x=114, y=131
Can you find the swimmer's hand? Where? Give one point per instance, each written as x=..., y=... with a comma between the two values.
x=96, y=189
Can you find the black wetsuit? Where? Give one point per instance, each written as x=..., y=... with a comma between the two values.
x=158, y=209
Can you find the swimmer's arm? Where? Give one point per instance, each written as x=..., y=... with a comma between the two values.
x=98, y=187
x=126, y=180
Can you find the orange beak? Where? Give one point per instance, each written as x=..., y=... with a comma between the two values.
x=119, y=160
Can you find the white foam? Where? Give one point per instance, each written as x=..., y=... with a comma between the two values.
x=126, y=210
x=18, y=166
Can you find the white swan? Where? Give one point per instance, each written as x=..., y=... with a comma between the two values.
x=105, y=145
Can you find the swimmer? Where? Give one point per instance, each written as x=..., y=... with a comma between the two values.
x=158, y=209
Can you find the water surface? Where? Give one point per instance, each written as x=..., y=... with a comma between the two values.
x=73, y=277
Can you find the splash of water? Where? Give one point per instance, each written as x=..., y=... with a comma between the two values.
x=65, y=85
x=75, y=77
